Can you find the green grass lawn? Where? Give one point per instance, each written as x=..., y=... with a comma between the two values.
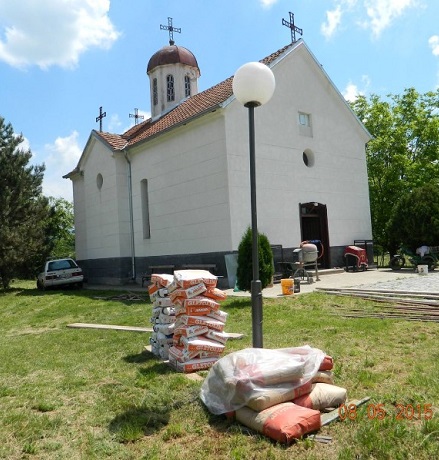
x=94, y=394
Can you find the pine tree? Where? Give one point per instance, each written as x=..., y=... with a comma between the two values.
x=244, y=272
x=23, y=209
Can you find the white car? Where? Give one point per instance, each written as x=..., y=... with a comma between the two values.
x=60, y=272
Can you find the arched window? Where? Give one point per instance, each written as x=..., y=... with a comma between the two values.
x=187, y=86
x=170, y=88
x=155, y=92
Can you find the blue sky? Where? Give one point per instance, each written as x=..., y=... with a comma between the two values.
x=60, y=60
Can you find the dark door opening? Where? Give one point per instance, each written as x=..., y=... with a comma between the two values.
x=314, y=226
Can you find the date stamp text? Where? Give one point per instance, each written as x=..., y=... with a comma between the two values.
x=380, y=412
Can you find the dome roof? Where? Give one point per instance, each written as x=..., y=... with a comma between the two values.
x=172, y=54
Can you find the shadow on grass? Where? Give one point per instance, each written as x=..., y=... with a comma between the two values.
x=238, y=302
x=9, y=290
x=98, y=295
x=158, y=368
x=221, y=423
x=140, y=358
x=137, y=422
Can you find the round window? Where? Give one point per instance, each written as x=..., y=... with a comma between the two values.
x=99, y=180
x=308, y=158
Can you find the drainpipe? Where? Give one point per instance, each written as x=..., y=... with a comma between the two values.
x=130, y=200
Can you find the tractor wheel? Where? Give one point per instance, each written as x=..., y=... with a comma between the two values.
x=396, y=263
x=428, y=260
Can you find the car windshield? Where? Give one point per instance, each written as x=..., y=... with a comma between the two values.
x=61, y=265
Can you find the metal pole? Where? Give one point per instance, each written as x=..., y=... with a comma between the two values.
x=256, y=285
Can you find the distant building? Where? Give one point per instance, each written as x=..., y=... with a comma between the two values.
x=174, y=189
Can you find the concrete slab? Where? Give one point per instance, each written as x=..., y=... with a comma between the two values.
x=405, y=279
x=399, y=280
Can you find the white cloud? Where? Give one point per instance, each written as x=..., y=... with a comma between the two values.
x=333, y=19
x=380, y=14
x=383, y=12
x=433, y=41
x=352, y=91
x=114, y=125
x=60, y=158
x=334, y=16
x=268, y=3
x=24, y=144
x=53, y=32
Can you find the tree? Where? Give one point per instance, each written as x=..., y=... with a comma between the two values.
x=60, y=228
x=244, y=272
x=404, y=151
x=414, y=221
x=23, y=209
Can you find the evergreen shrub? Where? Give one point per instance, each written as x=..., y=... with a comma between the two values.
x=244, y=273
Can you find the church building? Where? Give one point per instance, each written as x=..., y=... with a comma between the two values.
x=175, y=189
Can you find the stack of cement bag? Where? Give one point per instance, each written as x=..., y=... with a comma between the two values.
x=187, y=321
x=163, y=315
x=199, y=338
x=278, y=393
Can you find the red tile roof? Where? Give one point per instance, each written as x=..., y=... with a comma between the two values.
x=191, y=108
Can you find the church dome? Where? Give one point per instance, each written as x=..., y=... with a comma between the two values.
x=172, y=54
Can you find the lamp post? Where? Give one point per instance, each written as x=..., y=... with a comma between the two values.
x=253, y=85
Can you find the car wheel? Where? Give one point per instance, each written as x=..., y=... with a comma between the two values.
x=39, y=285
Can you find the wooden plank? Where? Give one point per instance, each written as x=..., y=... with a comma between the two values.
x=414, y=294
x=335, y=414
x=110, y=327
x=405, y=318
x=387, y=298
x=230, y=335
x=234, y=335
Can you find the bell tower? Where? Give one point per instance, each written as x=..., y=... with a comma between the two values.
x=173, y=75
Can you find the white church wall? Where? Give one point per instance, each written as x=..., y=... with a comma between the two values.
x=188, y=194
x=102, y=231
x=79, y=217
x=338, y=177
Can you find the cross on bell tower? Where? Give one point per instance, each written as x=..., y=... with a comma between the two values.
x=171, y=30
x=293, y=28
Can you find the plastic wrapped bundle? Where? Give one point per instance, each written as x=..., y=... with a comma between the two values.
x=255, y=373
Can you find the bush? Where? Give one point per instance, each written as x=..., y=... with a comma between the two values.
x=244, y=273
x=414, y=221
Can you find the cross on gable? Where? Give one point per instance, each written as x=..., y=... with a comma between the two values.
x=171, y=30
x=136, y=116
x=99, y=118
x=293, y=28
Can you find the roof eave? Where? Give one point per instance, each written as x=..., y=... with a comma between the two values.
x=94, y=136
x=213, y=108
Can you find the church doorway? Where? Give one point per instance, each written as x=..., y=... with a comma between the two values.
x=314, y=226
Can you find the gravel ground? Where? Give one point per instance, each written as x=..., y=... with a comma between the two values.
x=419, y=283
